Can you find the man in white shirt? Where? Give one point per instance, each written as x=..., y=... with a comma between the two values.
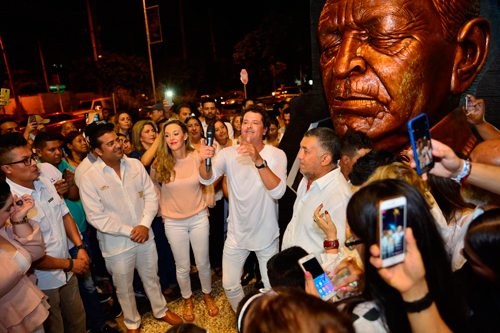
x=55, y=270
x=256, y=179
x=120, y=202
x=355, y=144
x=323, y=184
x=210, y=114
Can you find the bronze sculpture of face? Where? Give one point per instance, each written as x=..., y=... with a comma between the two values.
x=384, y=62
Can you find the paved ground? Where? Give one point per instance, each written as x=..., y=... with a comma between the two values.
x=225, y=321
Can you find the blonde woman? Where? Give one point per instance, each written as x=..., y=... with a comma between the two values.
x=144, y=142
x=176, y=177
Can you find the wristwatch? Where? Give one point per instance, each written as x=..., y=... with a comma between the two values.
x=82, y=246
x=263, y=165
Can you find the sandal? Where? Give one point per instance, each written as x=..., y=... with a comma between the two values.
x=218, y=271
x=188, y=313
x=213, y=310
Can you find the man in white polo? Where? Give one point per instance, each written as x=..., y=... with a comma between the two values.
x=120, y=202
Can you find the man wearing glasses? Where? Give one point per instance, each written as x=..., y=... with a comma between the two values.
x=322, y=192
x=55, y=270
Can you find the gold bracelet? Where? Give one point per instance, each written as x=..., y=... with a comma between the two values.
x=23, y=221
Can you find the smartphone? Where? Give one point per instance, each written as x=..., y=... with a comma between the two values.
x=96, y=117
x=65, y=174
x=420, y=136
x=169, y=97
x=466, y=104
x=392, y=230
x=32, y=119
x=4, y=96
x=322, y=283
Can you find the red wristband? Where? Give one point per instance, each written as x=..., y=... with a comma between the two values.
x=329, y=244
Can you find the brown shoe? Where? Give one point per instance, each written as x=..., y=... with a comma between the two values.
x=172, y=318
x=135, y=330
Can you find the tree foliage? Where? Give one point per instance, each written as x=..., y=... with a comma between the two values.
x=272, y=54
x=114, y=71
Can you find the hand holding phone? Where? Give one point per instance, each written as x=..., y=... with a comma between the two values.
x=392, y=228
x=420, y=136
x=406, y=276
x=474, y=110
x=322, y=283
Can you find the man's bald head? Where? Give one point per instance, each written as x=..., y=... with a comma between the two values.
x=487, y=152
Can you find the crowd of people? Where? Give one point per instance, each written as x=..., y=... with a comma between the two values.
x=136, y=201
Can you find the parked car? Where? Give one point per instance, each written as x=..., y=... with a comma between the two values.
x=91, y=105
x=287, y=93
x=57, y=120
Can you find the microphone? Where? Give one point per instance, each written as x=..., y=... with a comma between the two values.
x=210, y=142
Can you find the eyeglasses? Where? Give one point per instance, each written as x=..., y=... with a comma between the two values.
x=27, y=161
x=351, y=242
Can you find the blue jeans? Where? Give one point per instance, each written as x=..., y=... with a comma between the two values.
x=88, y=292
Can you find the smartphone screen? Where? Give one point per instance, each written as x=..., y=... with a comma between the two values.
x=169, y=97
x=392, y=229
x=321, y=280
x=86, y=117
x=420, y=136
x=96, y=117
x=32, y=119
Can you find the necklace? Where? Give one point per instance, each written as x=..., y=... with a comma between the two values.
x=227, y=144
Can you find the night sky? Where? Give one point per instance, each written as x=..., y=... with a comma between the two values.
x=62, y=28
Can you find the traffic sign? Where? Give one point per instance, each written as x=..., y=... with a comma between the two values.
x=61, y=86
x=244, y=76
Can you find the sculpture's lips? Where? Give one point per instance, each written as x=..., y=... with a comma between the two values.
x=361, y=105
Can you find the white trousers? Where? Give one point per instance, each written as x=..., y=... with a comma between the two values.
x=233, y=260
x=144, y=258
x=179, y=233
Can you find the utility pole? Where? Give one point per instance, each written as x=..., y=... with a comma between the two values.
x=43, y=66
x=19, y=107
x=93, y=39
x=212, y=32
x=149, y=50
x=92, y=32
x=183, y=34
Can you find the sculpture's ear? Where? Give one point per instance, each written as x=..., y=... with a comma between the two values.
x=472, y=50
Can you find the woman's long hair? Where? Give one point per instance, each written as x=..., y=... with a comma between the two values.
x=4, y=193
x=117, y=126
x=362, y=216
x=483, y=237
x=136, y=134
x=68, y=140
x=165, y=161
x=202, y=131
x=448, y=196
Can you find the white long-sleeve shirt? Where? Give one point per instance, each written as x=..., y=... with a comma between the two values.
x=253, y=209
x=115, y=206
x=331, y=190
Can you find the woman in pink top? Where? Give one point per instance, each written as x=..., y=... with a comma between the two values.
x=184, y=210
x=23, y=307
